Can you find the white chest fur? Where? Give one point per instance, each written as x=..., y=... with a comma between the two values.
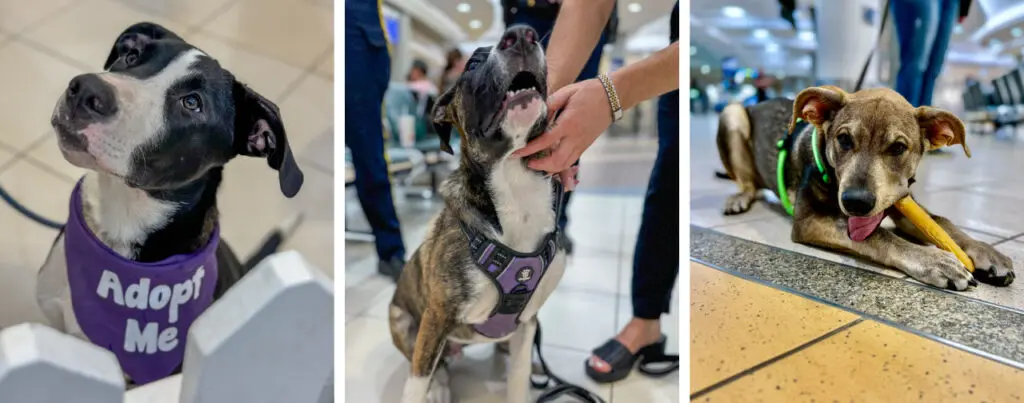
x=119, y=215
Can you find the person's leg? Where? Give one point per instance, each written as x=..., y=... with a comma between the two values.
x=656, y=257
x=946, y=12
x=915, y=29
x=364, y=135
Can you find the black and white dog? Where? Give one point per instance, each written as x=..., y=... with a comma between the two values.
x=141, y=250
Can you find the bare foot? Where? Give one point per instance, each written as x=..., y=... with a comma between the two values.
x=637, y=334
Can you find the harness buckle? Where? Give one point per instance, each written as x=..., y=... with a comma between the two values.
x=513, y=302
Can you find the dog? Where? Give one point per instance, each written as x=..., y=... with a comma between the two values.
x=497, y=229
x=869, y=145
x=141, y=256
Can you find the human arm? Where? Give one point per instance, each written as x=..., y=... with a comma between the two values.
x=577, y=31
x=586, y=110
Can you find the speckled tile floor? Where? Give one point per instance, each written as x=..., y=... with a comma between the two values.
x=754, y=343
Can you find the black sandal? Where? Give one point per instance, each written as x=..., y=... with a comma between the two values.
x=622, y=361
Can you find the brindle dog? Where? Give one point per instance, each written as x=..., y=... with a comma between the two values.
x=871, y=143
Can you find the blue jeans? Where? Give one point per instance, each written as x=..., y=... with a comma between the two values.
x=656, y=257
x=544, y=28
x=923, y=28
x=365, y=83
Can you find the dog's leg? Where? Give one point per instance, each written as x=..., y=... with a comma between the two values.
x=737, y=157
x=430, y=343
x=927, y=264
x=990, y=266
x=520, y=362
x=403, y=330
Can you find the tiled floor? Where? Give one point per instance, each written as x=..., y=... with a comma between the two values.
x=750, y=342
x=281, y=49
x=589, y=306
x=982, y=194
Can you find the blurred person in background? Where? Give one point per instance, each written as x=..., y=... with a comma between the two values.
x=366, y=82
x=454, y=62
x=923, y=29
x=418, y=79
x=586, y=112
x=593, y=22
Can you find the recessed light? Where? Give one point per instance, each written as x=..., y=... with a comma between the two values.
x=705, y=69
x=475, y=24
x=634, y=7
x=772, y=47
x=463, y=8
x=693, y=50
x=806, y=35
x=760, y=33
x=958, y=29
x=1016, y=32
x=733, y=12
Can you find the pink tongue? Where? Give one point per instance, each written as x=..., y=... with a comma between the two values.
x=860, y=228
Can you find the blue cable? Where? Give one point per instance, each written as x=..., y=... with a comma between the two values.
x=29, y=213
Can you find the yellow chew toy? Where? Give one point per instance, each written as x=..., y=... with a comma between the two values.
x=932, y=230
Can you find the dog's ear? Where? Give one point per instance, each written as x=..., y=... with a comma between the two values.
x=442, y=119
x=817, y=104
x=941, y=128
x=136, y=37
x=259, y=132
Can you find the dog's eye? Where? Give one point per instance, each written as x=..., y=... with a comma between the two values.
x=132, y=58
x=897, y=149
x=192, y=103
x=845, y=141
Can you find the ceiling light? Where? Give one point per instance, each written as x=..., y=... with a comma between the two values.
x=1016, y=32
x=772, y=47
x=705, y=69
x=760, y=33
x=693, y=50
x=463, y=8
x=475, y=24
x=634, y=7
x=806, y=36
x=733, y=12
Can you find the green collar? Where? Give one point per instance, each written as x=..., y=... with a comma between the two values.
x=781, y=172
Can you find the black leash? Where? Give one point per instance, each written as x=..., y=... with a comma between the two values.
x=29, y=213
x=561, y=387
x=881, y=30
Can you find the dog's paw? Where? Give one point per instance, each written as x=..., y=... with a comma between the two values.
x=990, y=266
x=941, y=269
x=440, y=387
x=739, y=203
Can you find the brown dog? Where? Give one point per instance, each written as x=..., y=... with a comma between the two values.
x=869, y=145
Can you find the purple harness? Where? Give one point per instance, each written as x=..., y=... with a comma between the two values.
x=515, y=275
x=139, y=311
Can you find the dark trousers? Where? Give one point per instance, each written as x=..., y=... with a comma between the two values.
x=366, y=79
x=923, y=28
x=656, y=258
x=543, y=28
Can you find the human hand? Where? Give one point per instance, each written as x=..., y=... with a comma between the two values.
x=585, y=115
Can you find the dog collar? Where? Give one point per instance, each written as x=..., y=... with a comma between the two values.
x=141, y=312
x=515, y=275
x=784, y=145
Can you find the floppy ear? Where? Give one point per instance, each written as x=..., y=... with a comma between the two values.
x=443, y=121
x=136, y=37
x=259, y=132
x=941, y=128
x=817, y=104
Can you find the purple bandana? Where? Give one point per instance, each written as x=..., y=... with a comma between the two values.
x=139, y=311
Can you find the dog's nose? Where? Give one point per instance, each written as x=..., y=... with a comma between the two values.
x=89, y=96
x=523, y=36
x=858, y=201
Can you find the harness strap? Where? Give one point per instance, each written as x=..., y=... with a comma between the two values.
x=784, y=146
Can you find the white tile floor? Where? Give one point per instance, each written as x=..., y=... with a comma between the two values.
x=981, y=194
x=44, y=43
x=589, y=306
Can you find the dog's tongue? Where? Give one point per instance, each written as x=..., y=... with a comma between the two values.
x=860, y=228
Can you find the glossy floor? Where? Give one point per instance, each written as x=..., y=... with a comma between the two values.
x=589, y=306
x=751, y=342
x=281, y=49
